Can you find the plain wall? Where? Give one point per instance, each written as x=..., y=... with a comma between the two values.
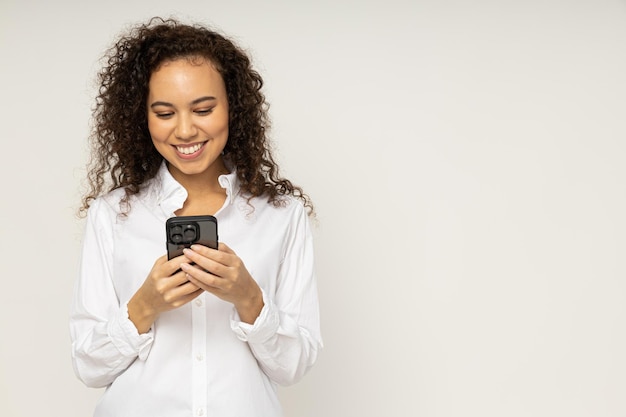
x=467, y=163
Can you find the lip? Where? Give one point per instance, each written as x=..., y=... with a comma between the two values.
x=193, y=155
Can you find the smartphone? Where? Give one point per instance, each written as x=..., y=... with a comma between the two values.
x=184, y=231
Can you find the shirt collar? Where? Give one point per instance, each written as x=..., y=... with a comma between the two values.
x=170, y=194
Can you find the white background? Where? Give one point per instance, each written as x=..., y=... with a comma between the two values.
x=467, y=159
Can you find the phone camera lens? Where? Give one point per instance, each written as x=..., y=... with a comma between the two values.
x=184, y=233
x=176, y=234
x=190, y=233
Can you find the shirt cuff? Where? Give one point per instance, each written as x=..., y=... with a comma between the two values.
x=126, y=338
x=264, y=327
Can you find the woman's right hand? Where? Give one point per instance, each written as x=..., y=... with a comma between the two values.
x=165, y=288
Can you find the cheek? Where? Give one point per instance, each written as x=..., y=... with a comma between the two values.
x=224, y=129
x=223, y=125
x=156, y=130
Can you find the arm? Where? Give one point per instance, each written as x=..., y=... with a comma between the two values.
x=109, y=335
x=104, y=341
x=282, y=329
x=286, y=338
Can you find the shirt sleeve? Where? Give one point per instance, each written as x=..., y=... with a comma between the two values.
x=285, y=338
x=104, y=340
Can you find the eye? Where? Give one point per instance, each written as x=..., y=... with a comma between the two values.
x=204, y=112
x=164, y=115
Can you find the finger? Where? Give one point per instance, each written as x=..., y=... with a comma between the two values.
x=161, y=260
x=202, y=250
x=219, y=256
x=159, y=263
x=161, y=268
x=178, y=279
x=205, y=250
x=213, y=263
x=210, y=284
x=173, y=265
x=200, y=277
x=195, y=270
x=223, y=247
x=182, y=298
x=193, y=295
x=185, y=289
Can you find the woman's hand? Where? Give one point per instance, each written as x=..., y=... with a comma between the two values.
x=222, y=273
x=164, y=289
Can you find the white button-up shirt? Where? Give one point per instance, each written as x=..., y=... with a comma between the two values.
x=199, y=359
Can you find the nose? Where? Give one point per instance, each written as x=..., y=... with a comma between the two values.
x=185, y=127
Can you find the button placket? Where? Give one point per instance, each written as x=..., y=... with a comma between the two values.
x=198, y=349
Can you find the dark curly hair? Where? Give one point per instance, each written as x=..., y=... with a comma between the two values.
x=120, y=140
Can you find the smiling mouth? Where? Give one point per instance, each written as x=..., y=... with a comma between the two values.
x=189, y=150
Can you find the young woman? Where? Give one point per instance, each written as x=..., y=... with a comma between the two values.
x=180, y=129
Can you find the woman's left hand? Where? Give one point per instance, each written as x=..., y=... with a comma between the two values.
x=222, y=273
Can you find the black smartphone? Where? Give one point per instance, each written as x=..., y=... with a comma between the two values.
x=184, y=231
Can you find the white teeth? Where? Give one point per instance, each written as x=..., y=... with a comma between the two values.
x=188, y=150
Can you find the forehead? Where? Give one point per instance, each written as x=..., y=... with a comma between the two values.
x=185, y=75
x=189, y=59
x=184, y=64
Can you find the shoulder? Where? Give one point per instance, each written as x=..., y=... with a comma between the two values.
x=284, y=206
x=293, y=206
x=281, y=216
x=108, y=203
x=105, y=210
x=116, y=203
x=113, y=205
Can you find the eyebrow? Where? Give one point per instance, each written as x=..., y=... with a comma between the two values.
x=196, y=101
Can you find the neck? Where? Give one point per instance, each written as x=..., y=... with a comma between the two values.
x=204, y=193
x=204, y=183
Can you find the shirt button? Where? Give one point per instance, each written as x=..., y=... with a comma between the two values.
x=200, y=411
x=199, y=357
x=199, y=302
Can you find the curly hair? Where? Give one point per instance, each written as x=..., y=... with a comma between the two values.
x=121, y=145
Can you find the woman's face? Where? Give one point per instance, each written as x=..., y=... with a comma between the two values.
x=188, y=116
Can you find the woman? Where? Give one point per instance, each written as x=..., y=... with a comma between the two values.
x=180, y=129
